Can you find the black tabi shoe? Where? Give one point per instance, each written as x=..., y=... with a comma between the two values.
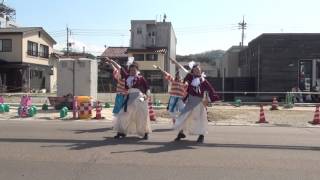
x=146, y=136
x=180, y=136
x=119, y=135
x=200, y=139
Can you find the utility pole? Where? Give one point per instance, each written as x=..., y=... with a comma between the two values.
x=243, y=26
x=68, y=41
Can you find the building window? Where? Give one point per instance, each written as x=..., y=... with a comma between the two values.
x=139, y=30
x=32, y=48
x=5, y=45
x=152, y=57
x=36, y=74
x=138, y=57
x=44, y=51
x=152, y=34
x=155, y=80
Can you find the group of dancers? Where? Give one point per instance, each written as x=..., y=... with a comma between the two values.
x=190, y=94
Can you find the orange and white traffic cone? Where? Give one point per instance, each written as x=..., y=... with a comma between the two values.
x=316, y=118
x=262, y=118
x=74, y=107
x=275, y=104
x=98, y=111
x=152, y=114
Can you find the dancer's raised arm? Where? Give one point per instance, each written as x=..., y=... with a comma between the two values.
x=179, y=65
x=167, y=75
x=116, y=65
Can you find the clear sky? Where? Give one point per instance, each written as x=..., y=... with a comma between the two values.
x=200, y=25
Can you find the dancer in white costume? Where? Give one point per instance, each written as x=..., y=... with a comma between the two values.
x=133, y=118
x=193, y=118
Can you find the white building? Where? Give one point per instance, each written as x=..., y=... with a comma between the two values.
x=7, y=17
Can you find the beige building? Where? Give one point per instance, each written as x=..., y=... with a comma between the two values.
x=146, y=58
x=153, y=42
x=25, y=59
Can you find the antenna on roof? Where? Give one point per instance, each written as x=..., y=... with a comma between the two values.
x=164, y=17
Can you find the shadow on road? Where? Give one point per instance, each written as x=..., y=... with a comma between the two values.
x=48, y=111
x=92, y=130
x=162, y=130
x=74, y=144
x=47, y=118
x=165, y=147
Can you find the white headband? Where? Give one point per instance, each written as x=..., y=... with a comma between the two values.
x=130, y=61
x=191, y=64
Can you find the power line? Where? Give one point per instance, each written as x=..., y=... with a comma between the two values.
x=206, y=26
x=206, y=31
x=56, y=31
x=100, y=35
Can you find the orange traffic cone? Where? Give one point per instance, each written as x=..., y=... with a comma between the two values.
x=98, y=111
x=262, y=118
x=74, y=107
x=316, y=118
x=152, y=114
x=275, y=104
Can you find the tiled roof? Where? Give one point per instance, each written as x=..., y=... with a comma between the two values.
x=115, y=52
x=24, y=30
x=153, y=50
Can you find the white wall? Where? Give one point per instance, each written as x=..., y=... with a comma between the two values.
x=85, y=79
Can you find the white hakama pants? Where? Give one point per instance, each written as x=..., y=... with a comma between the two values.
x=133, y=118
x=193, y=118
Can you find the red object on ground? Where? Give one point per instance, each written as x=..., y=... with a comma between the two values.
x=262, y=118
x=152, y=114
x=275, y=104
x=316, y=118
x=98, y=111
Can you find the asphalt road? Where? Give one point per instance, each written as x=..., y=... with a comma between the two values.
x=86, y=151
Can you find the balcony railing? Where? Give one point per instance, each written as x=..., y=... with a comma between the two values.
x=33, y=53
x=44, y=55
x=38, y=54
